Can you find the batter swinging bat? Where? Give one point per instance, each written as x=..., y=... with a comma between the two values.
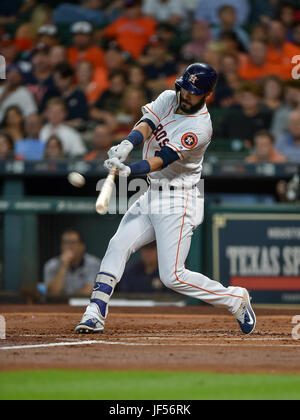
x=106, y=191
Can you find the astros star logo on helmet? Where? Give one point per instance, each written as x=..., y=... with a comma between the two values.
x=193, y=78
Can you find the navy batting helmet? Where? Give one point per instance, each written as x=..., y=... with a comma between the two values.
x=198, y=79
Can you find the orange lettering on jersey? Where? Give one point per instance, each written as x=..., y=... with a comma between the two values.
x=189, y=140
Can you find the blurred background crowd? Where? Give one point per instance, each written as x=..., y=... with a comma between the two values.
x=77, y=73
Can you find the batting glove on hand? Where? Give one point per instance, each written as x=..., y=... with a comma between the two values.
x=121, y=151
x=123, y=170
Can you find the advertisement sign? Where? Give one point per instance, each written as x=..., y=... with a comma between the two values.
x=260, y=252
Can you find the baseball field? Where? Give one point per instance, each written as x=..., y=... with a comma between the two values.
x=189, y=353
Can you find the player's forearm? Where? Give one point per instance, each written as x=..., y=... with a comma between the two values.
x=144, y=129
x=137, y=136
x=146, y=166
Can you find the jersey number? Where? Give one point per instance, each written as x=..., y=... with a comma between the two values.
x=160, y=136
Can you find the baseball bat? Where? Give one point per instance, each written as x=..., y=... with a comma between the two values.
x=106, y=191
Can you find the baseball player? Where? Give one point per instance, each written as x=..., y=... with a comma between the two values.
x=176, y=130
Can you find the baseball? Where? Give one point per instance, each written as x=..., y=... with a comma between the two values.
x=76, y=179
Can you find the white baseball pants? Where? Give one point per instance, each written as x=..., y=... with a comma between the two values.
x=169, y=218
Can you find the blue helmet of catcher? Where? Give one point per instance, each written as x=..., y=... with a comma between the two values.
x=198, y=79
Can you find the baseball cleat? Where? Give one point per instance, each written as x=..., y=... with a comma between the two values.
x=245, y=315
x=89, y=326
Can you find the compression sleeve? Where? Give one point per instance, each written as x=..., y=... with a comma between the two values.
x=168, y=156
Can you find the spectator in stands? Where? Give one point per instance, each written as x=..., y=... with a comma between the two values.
x=291, y=101
x=12, y=92
x=132, y=30
x=143, y=276
x=7, y=148
x=259, y=32
x=251, y=116
x=137, y=79
x=87, y=10
x=115, y=58
x=54, y=149
x=57, y=55
x=286, y=15
x=229, y=43
x=8, y=49
x=75, y=100
x=161, y=66
x=73, y=272
x=26, y=33
x=208, y=10
x=13, y=123
x=228, y=22
x=264, y=150
x=289, y=143
x=263, y=10
x=272, y=92
x=171, y=11
x=256, y=66
x=171, y=37
x=85, y=76
x=130, y=112
x=30, y=147
x=200, y=37
x=48, y=35
x=56, y=113
x=102, y=141
x=83, y=48
x=280, y=51
x=109, y=103
x=40, y=81
x=228, y=81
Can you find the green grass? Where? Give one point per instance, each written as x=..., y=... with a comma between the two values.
x=137, y=385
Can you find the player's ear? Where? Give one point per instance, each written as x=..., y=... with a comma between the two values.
x=209, y=95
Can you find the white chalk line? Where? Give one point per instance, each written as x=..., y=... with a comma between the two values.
x=178, y=337
x=120, y=343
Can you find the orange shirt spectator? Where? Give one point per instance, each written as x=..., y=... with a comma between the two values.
x=282, y=58
x=132, y=31
x=93, y=82
x=83, y=49
x=256, y=65
x=281, y=52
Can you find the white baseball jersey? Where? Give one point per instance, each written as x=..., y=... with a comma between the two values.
x=188, y=135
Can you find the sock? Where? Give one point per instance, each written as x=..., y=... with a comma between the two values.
x=103, y=289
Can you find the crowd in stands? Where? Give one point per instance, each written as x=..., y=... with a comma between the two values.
x=78, y=73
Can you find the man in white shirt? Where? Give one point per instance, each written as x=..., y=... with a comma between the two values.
x=56, y=114
x=13, y=93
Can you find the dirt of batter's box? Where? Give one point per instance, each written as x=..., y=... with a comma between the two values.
x=165, y=338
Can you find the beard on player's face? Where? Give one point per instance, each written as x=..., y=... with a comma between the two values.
x=191, y=106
